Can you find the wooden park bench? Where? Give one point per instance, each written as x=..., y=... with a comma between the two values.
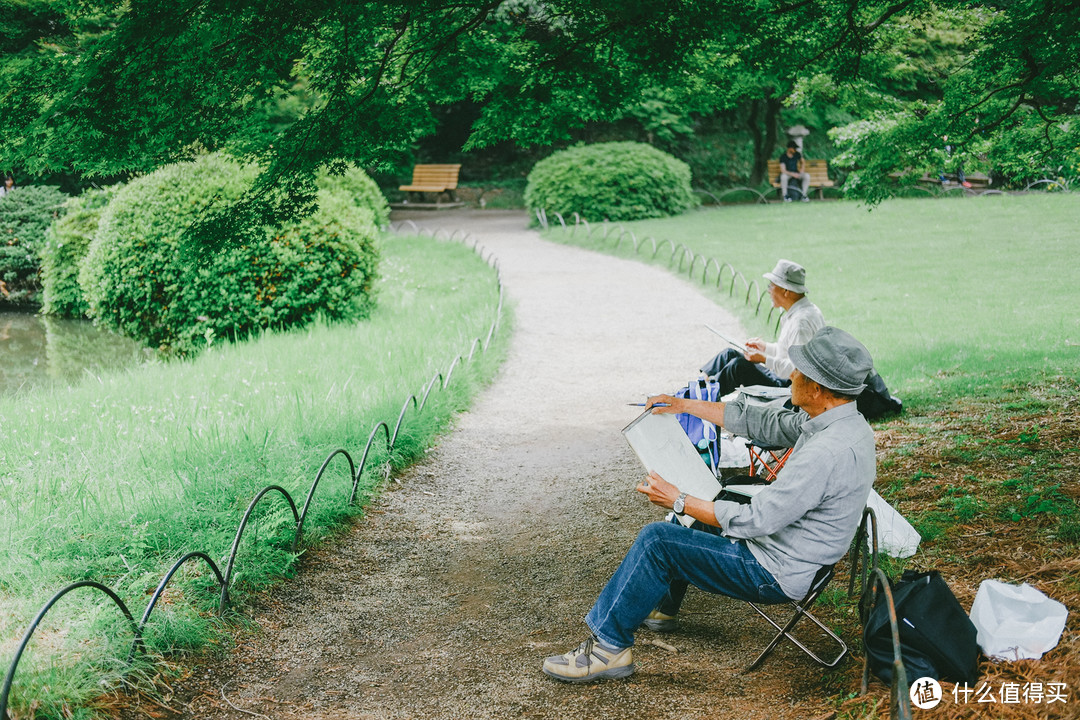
x=437, y=179
x=976, y=180
x=819, y=176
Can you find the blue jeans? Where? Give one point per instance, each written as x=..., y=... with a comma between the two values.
x=663, y=558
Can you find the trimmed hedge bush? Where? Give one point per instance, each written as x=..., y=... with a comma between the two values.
x=355, y=186
x=147, y=279
x=65, y=246
x=25, y=214
x=611, y=181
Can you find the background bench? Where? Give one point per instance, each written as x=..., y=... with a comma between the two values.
x=438, y=179
x=978, y=180
x=819, y=176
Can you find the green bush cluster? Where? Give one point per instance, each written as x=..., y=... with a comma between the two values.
x=351, y=184
x=147, y=278
x=66, y=243
x=611, y=181
x=25, y=215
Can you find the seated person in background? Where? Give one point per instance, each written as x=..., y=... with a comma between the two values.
x=768, y=363
x=767, y=551
x=793, y=166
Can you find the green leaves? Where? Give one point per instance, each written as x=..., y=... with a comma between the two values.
x=172, y=266
x=610, y=181
x=25, y=216
x=101, y=88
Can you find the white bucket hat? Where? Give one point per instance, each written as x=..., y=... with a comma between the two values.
x=788, y=275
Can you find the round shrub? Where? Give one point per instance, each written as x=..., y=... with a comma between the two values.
x=25, y=214
x=147, y=278
x=354, y=185
x=65, y=246
x=610, y=181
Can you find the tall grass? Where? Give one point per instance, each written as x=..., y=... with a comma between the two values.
x=115, y=478
x=952, y=296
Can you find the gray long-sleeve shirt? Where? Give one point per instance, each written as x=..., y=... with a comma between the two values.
x=807, y=517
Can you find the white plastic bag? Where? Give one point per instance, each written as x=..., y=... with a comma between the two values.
x=896, y=537
x=1016, y=621
x=733, y=452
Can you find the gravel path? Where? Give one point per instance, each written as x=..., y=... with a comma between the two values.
x=444, y=599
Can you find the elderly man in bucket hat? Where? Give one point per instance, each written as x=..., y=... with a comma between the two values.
x=767, y=551
x=768, y=363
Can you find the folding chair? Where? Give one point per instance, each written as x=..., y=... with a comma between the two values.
x=821, y=580
x=766, y=460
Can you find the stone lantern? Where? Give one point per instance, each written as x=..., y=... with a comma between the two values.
x=797, y=133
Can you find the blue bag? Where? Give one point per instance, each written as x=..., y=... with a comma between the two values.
x=701, y=433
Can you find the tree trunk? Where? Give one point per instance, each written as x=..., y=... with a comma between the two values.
x=762, y=123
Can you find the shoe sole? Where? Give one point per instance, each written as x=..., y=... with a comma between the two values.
x=612, y=674
x=661, y=626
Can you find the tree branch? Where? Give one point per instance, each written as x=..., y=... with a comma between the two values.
x=888, y=13
x=984, y=129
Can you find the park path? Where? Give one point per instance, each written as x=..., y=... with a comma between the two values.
x=480, y=561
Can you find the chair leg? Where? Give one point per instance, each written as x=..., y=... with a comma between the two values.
x=785, y=632
x=768, y=471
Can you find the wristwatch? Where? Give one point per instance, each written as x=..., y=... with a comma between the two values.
x=680, y=504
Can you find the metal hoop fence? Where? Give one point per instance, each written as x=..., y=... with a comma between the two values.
x=356, y=473
x=752, y=196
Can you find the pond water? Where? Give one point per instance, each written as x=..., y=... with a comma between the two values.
x=37, y=350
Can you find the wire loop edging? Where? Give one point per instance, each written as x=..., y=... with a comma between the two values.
x=223, y=581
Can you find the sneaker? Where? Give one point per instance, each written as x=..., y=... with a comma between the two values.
x=589, y=662
x=787, y=199
x=805, y=199
x=659, y=622
x=966, y=184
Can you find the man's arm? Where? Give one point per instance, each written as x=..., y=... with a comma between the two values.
x=661, y=492
x=802, y=164
x=710, y=411
x=769, y=425
x=766, y=424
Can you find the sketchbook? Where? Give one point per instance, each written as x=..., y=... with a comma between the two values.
x=765, y=392
x=733, y=343
x=663, y=447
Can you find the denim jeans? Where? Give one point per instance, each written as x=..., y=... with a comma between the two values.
x=664, y=557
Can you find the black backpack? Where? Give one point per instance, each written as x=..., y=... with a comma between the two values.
x=937, y=638
x=876, y=402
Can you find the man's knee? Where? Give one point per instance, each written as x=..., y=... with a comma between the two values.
x=728, y=355
x=736, y=367
x=719, y=361
x=660, y=532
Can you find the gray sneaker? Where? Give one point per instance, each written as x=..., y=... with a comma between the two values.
x=589, y=662
x=659, y=622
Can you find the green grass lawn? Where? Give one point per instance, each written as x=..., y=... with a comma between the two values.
x=946, y=293
x=114, y=479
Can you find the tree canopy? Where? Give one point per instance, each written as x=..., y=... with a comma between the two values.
x=102, y=87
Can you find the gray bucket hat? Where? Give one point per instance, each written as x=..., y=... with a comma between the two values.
x=834, y=359
x=788, y=275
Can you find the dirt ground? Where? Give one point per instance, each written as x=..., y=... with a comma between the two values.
x=476, y=564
